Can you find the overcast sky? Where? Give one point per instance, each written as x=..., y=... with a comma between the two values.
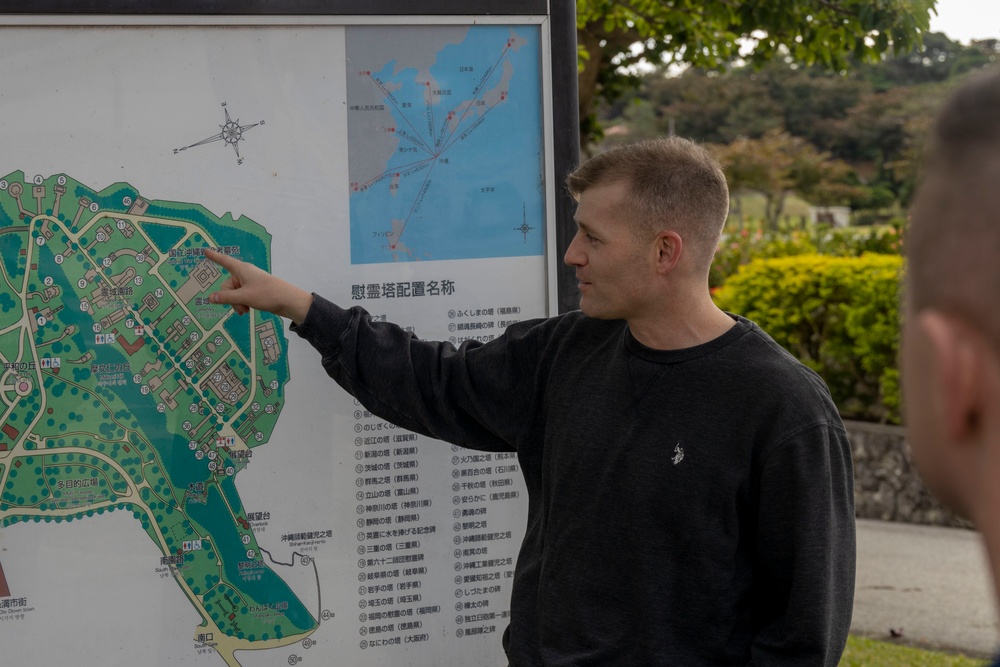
x=963, y=20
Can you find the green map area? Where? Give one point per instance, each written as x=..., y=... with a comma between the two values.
x=123, y=389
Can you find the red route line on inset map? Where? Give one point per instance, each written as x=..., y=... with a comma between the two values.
x=482, y=88
x=397, y=170
x=447, y=142
x=429, y=101
x=392, y=101
x=417, y=200
x=452, y=140
x=433, y=162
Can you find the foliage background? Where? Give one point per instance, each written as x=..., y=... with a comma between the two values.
x=805, y=103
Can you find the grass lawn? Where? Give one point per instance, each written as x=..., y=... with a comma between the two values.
x=863, y=652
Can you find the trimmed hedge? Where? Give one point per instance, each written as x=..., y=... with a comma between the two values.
x=741, y=247
x=838, y=315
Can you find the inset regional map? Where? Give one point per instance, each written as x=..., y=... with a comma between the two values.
x=122, y=389
x=444, y=142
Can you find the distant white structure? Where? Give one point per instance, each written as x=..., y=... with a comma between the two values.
x=838, y=216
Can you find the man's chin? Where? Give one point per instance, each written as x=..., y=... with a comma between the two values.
x=596, y=312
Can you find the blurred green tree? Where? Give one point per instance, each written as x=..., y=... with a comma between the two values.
x=778, y=163
x=614, y=35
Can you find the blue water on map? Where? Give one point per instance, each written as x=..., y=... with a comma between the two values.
x=461, y=198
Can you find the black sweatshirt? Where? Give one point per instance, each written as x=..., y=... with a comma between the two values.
x=689, y=507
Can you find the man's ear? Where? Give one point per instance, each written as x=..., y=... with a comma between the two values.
x=959, y=358
x=669, y=247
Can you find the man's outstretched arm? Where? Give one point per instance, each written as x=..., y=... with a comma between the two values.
x=477, y=396
x=250, y=287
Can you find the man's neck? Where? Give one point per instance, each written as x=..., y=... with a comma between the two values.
x=686, y=323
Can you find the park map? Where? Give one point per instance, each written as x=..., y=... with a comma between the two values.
x=122, y=389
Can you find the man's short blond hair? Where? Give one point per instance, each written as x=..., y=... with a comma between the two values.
x=953, y=241
x=672, y=184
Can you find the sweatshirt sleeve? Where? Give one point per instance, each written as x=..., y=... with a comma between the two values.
x=476, y=395
x=805, y=550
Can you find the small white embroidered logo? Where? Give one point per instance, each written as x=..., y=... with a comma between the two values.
x=679, y=454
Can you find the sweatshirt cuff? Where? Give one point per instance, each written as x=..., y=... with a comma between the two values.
x=323, y=325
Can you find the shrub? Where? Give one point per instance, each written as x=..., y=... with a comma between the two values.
x=740, y=247
x=838, y=315
x=856, y=241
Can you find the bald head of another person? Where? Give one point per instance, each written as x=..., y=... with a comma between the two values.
x=951, y=330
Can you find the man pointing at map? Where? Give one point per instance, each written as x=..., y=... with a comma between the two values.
x=690, y=484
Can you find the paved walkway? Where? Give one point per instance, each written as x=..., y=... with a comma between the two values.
x=930, y=583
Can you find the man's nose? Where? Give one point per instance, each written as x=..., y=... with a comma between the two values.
x=574, y=256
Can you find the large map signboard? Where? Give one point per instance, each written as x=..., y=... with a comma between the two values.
x=180, y=484
x=125, y=390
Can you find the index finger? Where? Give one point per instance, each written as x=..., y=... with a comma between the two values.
x=225, y=261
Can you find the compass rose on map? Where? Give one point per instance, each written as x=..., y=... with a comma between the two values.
x=525, y=227
x=232, y=134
